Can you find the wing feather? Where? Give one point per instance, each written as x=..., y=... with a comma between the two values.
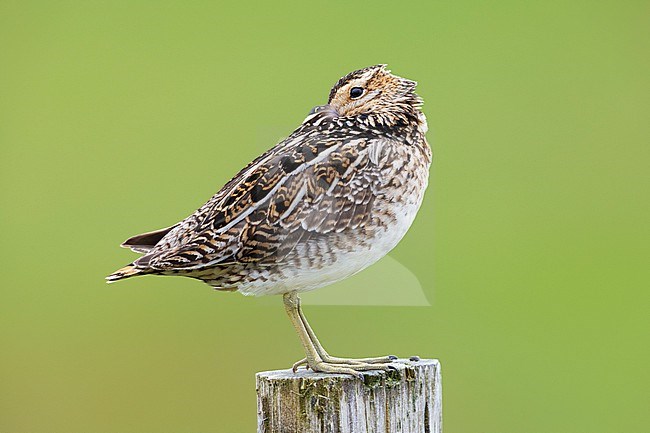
x=310, y=185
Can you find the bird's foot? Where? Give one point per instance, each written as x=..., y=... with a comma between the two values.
x=352, y=369
x=354, y=361
x=301, y=363
x=332, y=364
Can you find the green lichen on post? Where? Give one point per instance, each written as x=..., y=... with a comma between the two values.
x=372, y=381
x=390, y=379
x=393, y=378
x=409, y=374
x=321, y=395
x=326, y=394
x=302, y=401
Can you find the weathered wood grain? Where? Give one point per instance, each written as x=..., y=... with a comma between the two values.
x=408, y=400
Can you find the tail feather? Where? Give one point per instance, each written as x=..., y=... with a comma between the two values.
x=144, y=242
x=125, y=272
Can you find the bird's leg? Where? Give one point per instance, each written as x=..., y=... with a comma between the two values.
x=315, y=350
x=313, y=360
x=329, y=358
x=291, y=302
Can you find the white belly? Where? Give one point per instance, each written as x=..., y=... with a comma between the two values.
x=334, y=258
x=305, y=278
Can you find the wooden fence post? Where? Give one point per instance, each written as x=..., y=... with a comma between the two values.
x=408, y=400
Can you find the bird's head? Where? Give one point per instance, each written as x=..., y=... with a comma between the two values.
x=374, y=93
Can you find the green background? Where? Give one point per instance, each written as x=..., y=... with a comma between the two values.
x=532, y=244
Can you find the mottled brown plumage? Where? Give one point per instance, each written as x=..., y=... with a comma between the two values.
x=329, y=200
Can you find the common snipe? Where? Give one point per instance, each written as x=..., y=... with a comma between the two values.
x=328, y=201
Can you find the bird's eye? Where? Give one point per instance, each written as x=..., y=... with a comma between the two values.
x=356, y=92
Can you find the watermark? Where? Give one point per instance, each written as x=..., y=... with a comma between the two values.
x=385, y=283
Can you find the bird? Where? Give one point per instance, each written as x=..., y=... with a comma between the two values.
x=323, y=204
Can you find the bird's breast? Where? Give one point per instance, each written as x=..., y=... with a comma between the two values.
x=324, y=259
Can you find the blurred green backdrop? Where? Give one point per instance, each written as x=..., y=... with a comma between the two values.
x=532, y=244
